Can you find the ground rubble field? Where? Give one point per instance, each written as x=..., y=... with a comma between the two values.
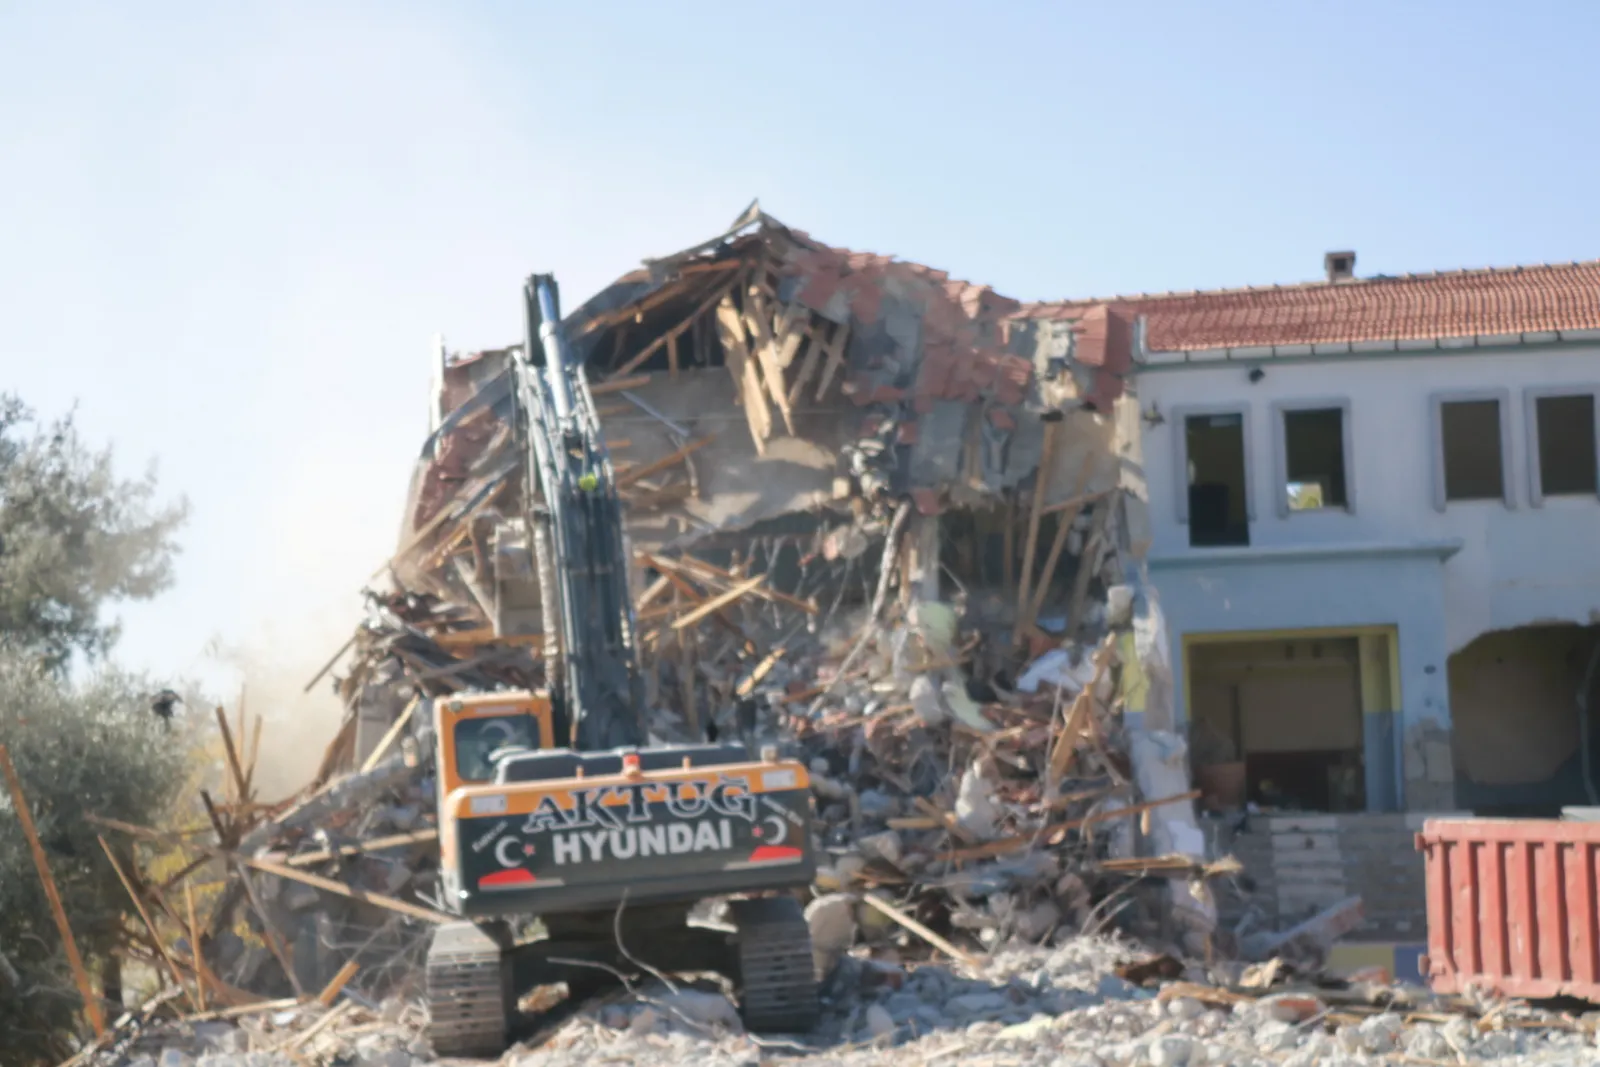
x=1020, y=1006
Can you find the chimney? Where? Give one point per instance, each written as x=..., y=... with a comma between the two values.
x=1341, y=266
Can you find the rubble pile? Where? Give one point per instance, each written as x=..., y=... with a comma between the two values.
x=1090, y=1002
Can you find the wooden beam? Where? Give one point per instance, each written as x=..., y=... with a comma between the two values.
x=717, y=603
x=242, y=791
x=699, y=568
x=377, y=844
x=765, y=348
x=671, y=460
x=376, y=899
x=730, y=327
x=80, y=975
x=1087, y=564
x=917, y=928
x=337, y=983
x=670, y=338
x=841, y=334
x=194, y=948
x=617, y=385
x=390, y=735
x=149, y=923
x=1063, y=528
x=1041, y=483
x=269, y=933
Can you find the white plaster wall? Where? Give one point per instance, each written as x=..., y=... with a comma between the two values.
x=1517, y=566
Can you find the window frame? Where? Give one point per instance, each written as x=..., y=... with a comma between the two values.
x=1180, y=418
x=1530, y=425
x=1436, y=403
x=1280, y=452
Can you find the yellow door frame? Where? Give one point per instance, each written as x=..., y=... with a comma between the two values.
x=1380, y=689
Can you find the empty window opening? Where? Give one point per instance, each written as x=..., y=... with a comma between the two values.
x=1313, y=444
x=1278, y=723
x=1218, y=507
x=1567, y=464
x=1474, y=465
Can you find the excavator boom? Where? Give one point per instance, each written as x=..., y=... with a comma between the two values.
x=592, y=662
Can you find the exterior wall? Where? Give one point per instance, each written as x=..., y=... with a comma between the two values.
x=1443, y=577
x=1517, y=565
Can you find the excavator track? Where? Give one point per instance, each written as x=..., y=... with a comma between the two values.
x=469, y=997
x=777, y=973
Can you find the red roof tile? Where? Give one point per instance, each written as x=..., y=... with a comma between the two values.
x=1463, y=303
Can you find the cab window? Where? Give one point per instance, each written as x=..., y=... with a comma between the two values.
x=478, y=739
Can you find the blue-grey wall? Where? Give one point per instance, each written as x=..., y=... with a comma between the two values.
x=1326, y=588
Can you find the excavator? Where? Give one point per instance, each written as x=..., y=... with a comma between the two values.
x=571, y=848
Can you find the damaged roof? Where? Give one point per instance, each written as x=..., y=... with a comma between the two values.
x=1463, y=303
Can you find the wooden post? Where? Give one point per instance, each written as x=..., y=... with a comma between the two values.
x=149, y=924
x=233, y=756
x=194, y=947
x=1041, y=484
x=80, y=975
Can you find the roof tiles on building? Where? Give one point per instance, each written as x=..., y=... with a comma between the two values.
x=1445, y=304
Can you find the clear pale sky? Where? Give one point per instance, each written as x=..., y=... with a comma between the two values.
x=229, y=231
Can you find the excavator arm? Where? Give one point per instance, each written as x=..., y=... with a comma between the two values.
x=575, y=518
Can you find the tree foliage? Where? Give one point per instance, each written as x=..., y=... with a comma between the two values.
x=90, y=748
x=73, y=538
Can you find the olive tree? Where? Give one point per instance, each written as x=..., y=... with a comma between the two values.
x=74, y=539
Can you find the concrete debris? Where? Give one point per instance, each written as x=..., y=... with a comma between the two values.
x=1022, y=1005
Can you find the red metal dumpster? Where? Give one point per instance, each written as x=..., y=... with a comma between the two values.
x=1512, y=906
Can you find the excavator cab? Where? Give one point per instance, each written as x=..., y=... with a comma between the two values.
x=476, y=730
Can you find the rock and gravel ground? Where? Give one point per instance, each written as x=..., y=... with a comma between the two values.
x=1023, y=1008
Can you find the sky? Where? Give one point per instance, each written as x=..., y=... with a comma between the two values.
x=230, y=232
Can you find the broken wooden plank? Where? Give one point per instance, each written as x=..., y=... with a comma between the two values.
x=748, y=684
x=377, y=844
x=1067, y=740
x=836, y=347
x=1041, y=483
x=194, y=947
x=1088, y=563
x=717, y=603
x=337, y=983
x=391, y=735
x=947, y=819
x=1063, y=528
x=670, y=460
x=617, y=385
x=1056, y=833
x=149, y=923
x=670, y=338
x=242, y=791
x=80, y=975
x=700, y=569
x=269, y=932
x=1079, y=500
x=379, y=900
x=921, y=931
x=730, y=327
x=765, y=349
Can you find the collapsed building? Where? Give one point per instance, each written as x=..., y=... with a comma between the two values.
x=884, y=515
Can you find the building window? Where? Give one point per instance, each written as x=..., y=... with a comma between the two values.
x=1216, y=503
x=1471, y=443
x=1564, y=452
x=1313, y=456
